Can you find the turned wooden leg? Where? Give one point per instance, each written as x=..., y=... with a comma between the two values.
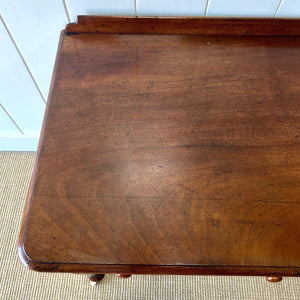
x=95, y=278
x=123, y=275
x=274, y=278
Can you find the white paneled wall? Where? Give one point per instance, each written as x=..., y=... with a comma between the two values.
x=100, y=7
x=242, y=8
x=34, y=26
x=171, y=7
x=29, y=33
x=7, y=125
x=20, y=99
x=289, y=9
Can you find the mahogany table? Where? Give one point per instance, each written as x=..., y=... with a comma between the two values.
x=169, y=146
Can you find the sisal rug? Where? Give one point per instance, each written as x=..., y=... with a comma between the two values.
x=17, y=282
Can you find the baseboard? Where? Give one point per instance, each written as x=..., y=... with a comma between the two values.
x=19, y=143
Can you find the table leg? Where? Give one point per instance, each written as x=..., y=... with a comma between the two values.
x=274, y=278
x=123, y=275
x=95, y=278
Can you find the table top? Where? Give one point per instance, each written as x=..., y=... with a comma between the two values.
x=168, y=153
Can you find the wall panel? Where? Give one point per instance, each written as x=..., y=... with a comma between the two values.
x=289, y=9
x=171, y=8
x=100, y=7
x=243, y=8
x=19, y=95
x=35, y=27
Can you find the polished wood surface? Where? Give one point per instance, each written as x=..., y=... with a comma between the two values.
x=123, y=275
x=274, y=279
x=168, y=154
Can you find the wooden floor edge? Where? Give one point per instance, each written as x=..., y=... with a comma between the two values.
x=185, y=25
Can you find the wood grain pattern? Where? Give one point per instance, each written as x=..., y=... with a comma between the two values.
x=169, y=154
x=193, y=26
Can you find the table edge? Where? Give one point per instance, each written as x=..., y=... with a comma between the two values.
x=156, y=269
x=24, y=257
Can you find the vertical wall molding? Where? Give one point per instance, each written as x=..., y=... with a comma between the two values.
x=206, y=7
x=11, y=118
x=135, y=9
x=277, y=8
x=66, y=10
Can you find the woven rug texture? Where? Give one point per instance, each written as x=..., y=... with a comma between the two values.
x=18, y=282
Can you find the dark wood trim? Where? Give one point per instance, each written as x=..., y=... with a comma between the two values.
x=191, y=26
x=161, y=269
